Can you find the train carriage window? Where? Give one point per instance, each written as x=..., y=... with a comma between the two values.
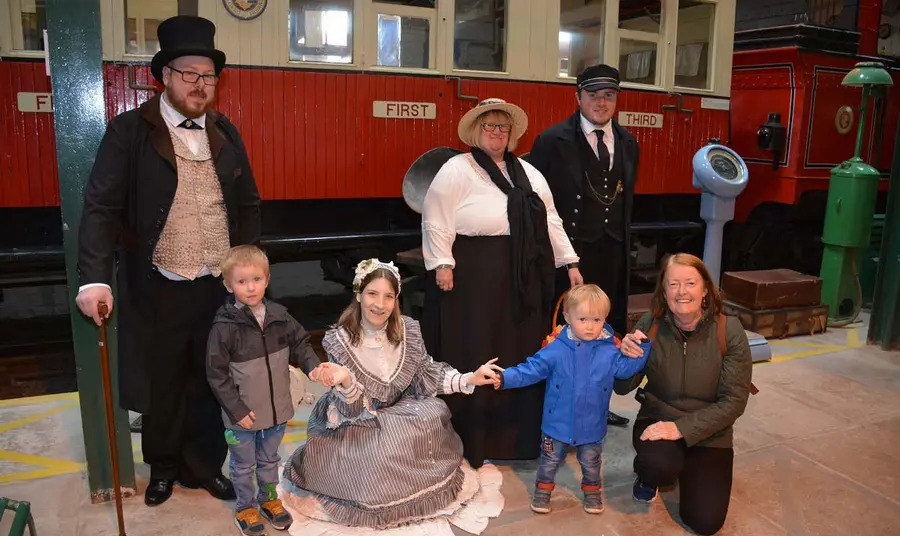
x=479, y=38
x=29, y=20
x=639, y=40
x=580, y=35
x=693, y=54
x=404, y=33
x=321, y=31
x=142, y=19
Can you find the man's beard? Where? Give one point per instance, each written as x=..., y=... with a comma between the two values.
x=182, y=106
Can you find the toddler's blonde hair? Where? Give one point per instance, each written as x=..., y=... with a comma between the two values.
x=590, y=294
x=244, y=255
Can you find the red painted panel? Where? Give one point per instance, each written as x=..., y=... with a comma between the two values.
x=28, y=175
x=311, y=135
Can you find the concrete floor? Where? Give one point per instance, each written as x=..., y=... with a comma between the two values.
x=816, y=454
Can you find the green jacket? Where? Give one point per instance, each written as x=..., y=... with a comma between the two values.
x=690, y=383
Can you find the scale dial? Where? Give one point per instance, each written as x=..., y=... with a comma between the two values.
x=725, y=165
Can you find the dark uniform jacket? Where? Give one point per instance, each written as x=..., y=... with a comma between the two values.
x=126, y=203
x=555, y=154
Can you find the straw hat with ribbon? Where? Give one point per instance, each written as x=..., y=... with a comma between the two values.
x=469, y=136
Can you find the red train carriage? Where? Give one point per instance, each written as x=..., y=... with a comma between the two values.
x=336, y=99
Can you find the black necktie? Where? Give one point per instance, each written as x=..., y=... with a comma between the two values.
x=190, y=124
x=602, y=151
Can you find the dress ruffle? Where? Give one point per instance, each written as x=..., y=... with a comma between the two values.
x=478, y=499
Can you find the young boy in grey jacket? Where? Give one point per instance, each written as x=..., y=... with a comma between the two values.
x=251, y=343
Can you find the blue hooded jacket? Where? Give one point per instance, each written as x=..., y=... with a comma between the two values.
x=580, y=377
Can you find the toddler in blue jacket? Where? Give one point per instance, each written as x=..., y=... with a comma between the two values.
x=580, y=366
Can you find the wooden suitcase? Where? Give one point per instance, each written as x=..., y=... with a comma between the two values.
x=638, y=305
x=772, y=289
x=784, y=322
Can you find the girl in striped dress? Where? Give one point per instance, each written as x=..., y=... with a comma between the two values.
x=381, y=451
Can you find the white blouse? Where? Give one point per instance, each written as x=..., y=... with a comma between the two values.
x=462, y=199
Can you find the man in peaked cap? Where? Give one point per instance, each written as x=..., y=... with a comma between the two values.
x=590, y=162
x=170, y=192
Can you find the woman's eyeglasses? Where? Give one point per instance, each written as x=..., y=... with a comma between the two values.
x=492, y=127
x=190, y=77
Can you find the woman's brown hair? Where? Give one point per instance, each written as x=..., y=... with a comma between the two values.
x=711, y=302
x=351, y=318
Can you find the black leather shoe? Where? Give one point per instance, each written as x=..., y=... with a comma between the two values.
x=218, y=486
x=158, y=492
x=616, y=420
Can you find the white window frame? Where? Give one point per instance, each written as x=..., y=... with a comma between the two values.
x=523, y=63
x=721, y=46
x=554, y=20
x=11, y=39
x=370, y=60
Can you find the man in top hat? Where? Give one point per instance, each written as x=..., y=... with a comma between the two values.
x=170, y=192
x=590, y=161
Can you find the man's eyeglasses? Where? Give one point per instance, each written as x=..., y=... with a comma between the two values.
x=190, y=77
x=491, y=127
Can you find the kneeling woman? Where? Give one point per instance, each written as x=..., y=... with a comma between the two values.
x=698, y=383
x=380, y=448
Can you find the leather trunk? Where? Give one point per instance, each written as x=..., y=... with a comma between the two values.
x=638, y=305
x=784, y=322
x=772, y=289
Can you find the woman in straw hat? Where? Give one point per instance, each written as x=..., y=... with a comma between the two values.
x=491, y=239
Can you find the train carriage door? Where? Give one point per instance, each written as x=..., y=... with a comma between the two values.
x=674, y=58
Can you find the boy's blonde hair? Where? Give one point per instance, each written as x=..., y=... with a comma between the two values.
x=590, y=294
x=244, y=255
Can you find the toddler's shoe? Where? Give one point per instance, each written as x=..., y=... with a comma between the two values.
x=275, y=514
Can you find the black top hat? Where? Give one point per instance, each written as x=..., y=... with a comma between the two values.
x=598, y=77
x=185, y=36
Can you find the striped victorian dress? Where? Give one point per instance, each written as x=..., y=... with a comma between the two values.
x=383, y=452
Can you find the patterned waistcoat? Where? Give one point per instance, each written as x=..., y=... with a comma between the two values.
x=196, y=231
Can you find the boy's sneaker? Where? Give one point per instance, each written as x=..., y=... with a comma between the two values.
x=593, y=502
x=275, y=514
x=249, y=522
x=642, y=492
x=541, y=501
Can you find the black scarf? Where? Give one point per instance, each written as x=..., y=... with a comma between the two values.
x=531, y=255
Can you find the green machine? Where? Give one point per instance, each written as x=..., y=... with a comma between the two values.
x=851, y=206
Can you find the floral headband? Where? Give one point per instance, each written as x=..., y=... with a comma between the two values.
x=366, y=267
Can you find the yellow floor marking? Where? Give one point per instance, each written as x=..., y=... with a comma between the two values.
x=296, y=423
x=39, y=473
x=802, y=344
x=294, y=438
x=808, y=353
x=36, y=417
x=38, y=399
x=853, y=338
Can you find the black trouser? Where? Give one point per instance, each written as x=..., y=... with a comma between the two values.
x=703, y=474
x=603, y=264
x=182, y=434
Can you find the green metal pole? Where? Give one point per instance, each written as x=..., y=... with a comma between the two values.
x=22, y=520
x=76, y=69
x=862, y=123
x=884, y=324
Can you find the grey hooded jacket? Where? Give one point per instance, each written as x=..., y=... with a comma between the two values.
x=247, y=365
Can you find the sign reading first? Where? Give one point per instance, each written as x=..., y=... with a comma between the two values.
x=35, y=102
x=404, y=110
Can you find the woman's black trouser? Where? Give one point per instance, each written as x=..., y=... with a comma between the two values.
x=703, y=474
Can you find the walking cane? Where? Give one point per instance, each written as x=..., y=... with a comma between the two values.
x=103, y=309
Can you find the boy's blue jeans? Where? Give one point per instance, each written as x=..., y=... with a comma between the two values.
x=251, y=448
x=553, y=454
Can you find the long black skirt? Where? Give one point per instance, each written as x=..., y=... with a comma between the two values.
x=474, y=323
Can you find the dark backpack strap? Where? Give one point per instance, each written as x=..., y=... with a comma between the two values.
x=723, y=344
